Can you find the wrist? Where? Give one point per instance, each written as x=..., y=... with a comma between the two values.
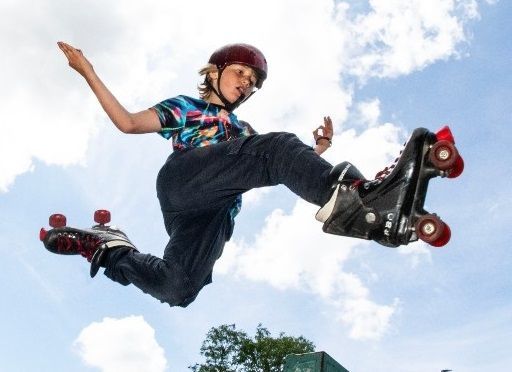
x=88, y=74
x=323, y=141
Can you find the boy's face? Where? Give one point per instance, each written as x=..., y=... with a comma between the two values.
x=236, y=80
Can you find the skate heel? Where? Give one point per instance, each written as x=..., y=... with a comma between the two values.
x=350, y=217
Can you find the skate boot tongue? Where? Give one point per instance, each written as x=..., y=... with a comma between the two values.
x=346, y=172
x=347, y=175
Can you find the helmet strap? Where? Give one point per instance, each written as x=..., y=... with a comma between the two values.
x=229, y=106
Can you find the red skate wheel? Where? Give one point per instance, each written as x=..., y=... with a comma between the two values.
x=445, y=134
x=457, y=168
x=102, y=216
x=429, y=228
x=444, y=238
x=443, y=154
x=57, y=220
x=42, y=234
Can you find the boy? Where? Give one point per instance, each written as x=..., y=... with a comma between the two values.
x=216, y=159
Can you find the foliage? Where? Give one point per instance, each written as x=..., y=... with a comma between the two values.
x=227, y=349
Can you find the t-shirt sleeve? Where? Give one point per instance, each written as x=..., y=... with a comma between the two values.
x=172, y=115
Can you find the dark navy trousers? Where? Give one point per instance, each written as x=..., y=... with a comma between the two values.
x=196, y=189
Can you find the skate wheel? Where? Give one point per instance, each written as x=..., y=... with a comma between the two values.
x=444, y=238
x=432, y=230
x=443, y=154
x=57, y=220
x=457, y=168
x=445, y=134
x=102, y=216
x=42, y=234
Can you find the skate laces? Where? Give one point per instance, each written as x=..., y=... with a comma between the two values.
x=357, y=183
x=85, y=245
x=381, y=175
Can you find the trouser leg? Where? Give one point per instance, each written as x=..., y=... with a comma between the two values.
x=213, y=174
x=196, y=190
x=196, y=242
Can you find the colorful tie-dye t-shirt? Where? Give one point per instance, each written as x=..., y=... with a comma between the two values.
x=192, y=122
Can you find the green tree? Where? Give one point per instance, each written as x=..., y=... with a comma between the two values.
x=227, y=349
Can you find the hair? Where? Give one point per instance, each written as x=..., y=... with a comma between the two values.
x=204, y=90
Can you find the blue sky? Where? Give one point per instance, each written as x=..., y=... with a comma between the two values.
x=380, y=69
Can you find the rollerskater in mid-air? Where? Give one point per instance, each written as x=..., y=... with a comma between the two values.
x=217, y=157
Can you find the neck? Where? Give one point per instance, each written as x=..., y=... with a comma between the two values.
x=214, y=99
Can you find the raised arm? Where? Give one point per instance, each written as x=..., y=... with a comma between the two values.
x=141, y=122
x=323, y=140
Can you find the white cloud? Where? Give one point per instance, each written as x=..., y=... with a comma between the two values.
x=417, y=253
x=253, y=197
x=402, y=36
x=369, y=150
x=368, y=112
x=368, y=320
x=50, y=114
x=291, y=252
x=126, y=344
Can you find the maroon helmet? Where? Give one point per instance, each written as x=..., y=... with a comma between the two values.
x=243, y=54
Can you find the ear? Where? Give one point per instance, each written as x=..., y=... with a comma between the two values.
x=212, y=76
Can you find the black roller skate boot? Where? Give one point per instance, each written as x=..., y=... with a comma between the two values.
x=389, y=209
x=93, y=244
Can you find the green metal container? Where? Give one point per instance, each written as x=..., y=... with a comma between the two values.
x=312, y=362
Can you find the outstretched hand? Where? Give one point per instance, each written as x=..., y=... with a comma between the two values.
x=76, y=58
x=324, y=132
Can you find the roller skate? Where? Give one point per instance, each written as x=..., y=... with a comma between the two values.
x=93, y=243
x=389, y=209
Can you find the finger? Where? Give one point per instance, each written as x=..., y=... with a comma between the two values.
x=64, y=46
x=68, y=49
x=328, y=127
x=66, y=53
x=65, y=49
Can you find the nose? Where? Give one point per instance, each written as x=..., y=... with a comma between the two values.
x=246, y=81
